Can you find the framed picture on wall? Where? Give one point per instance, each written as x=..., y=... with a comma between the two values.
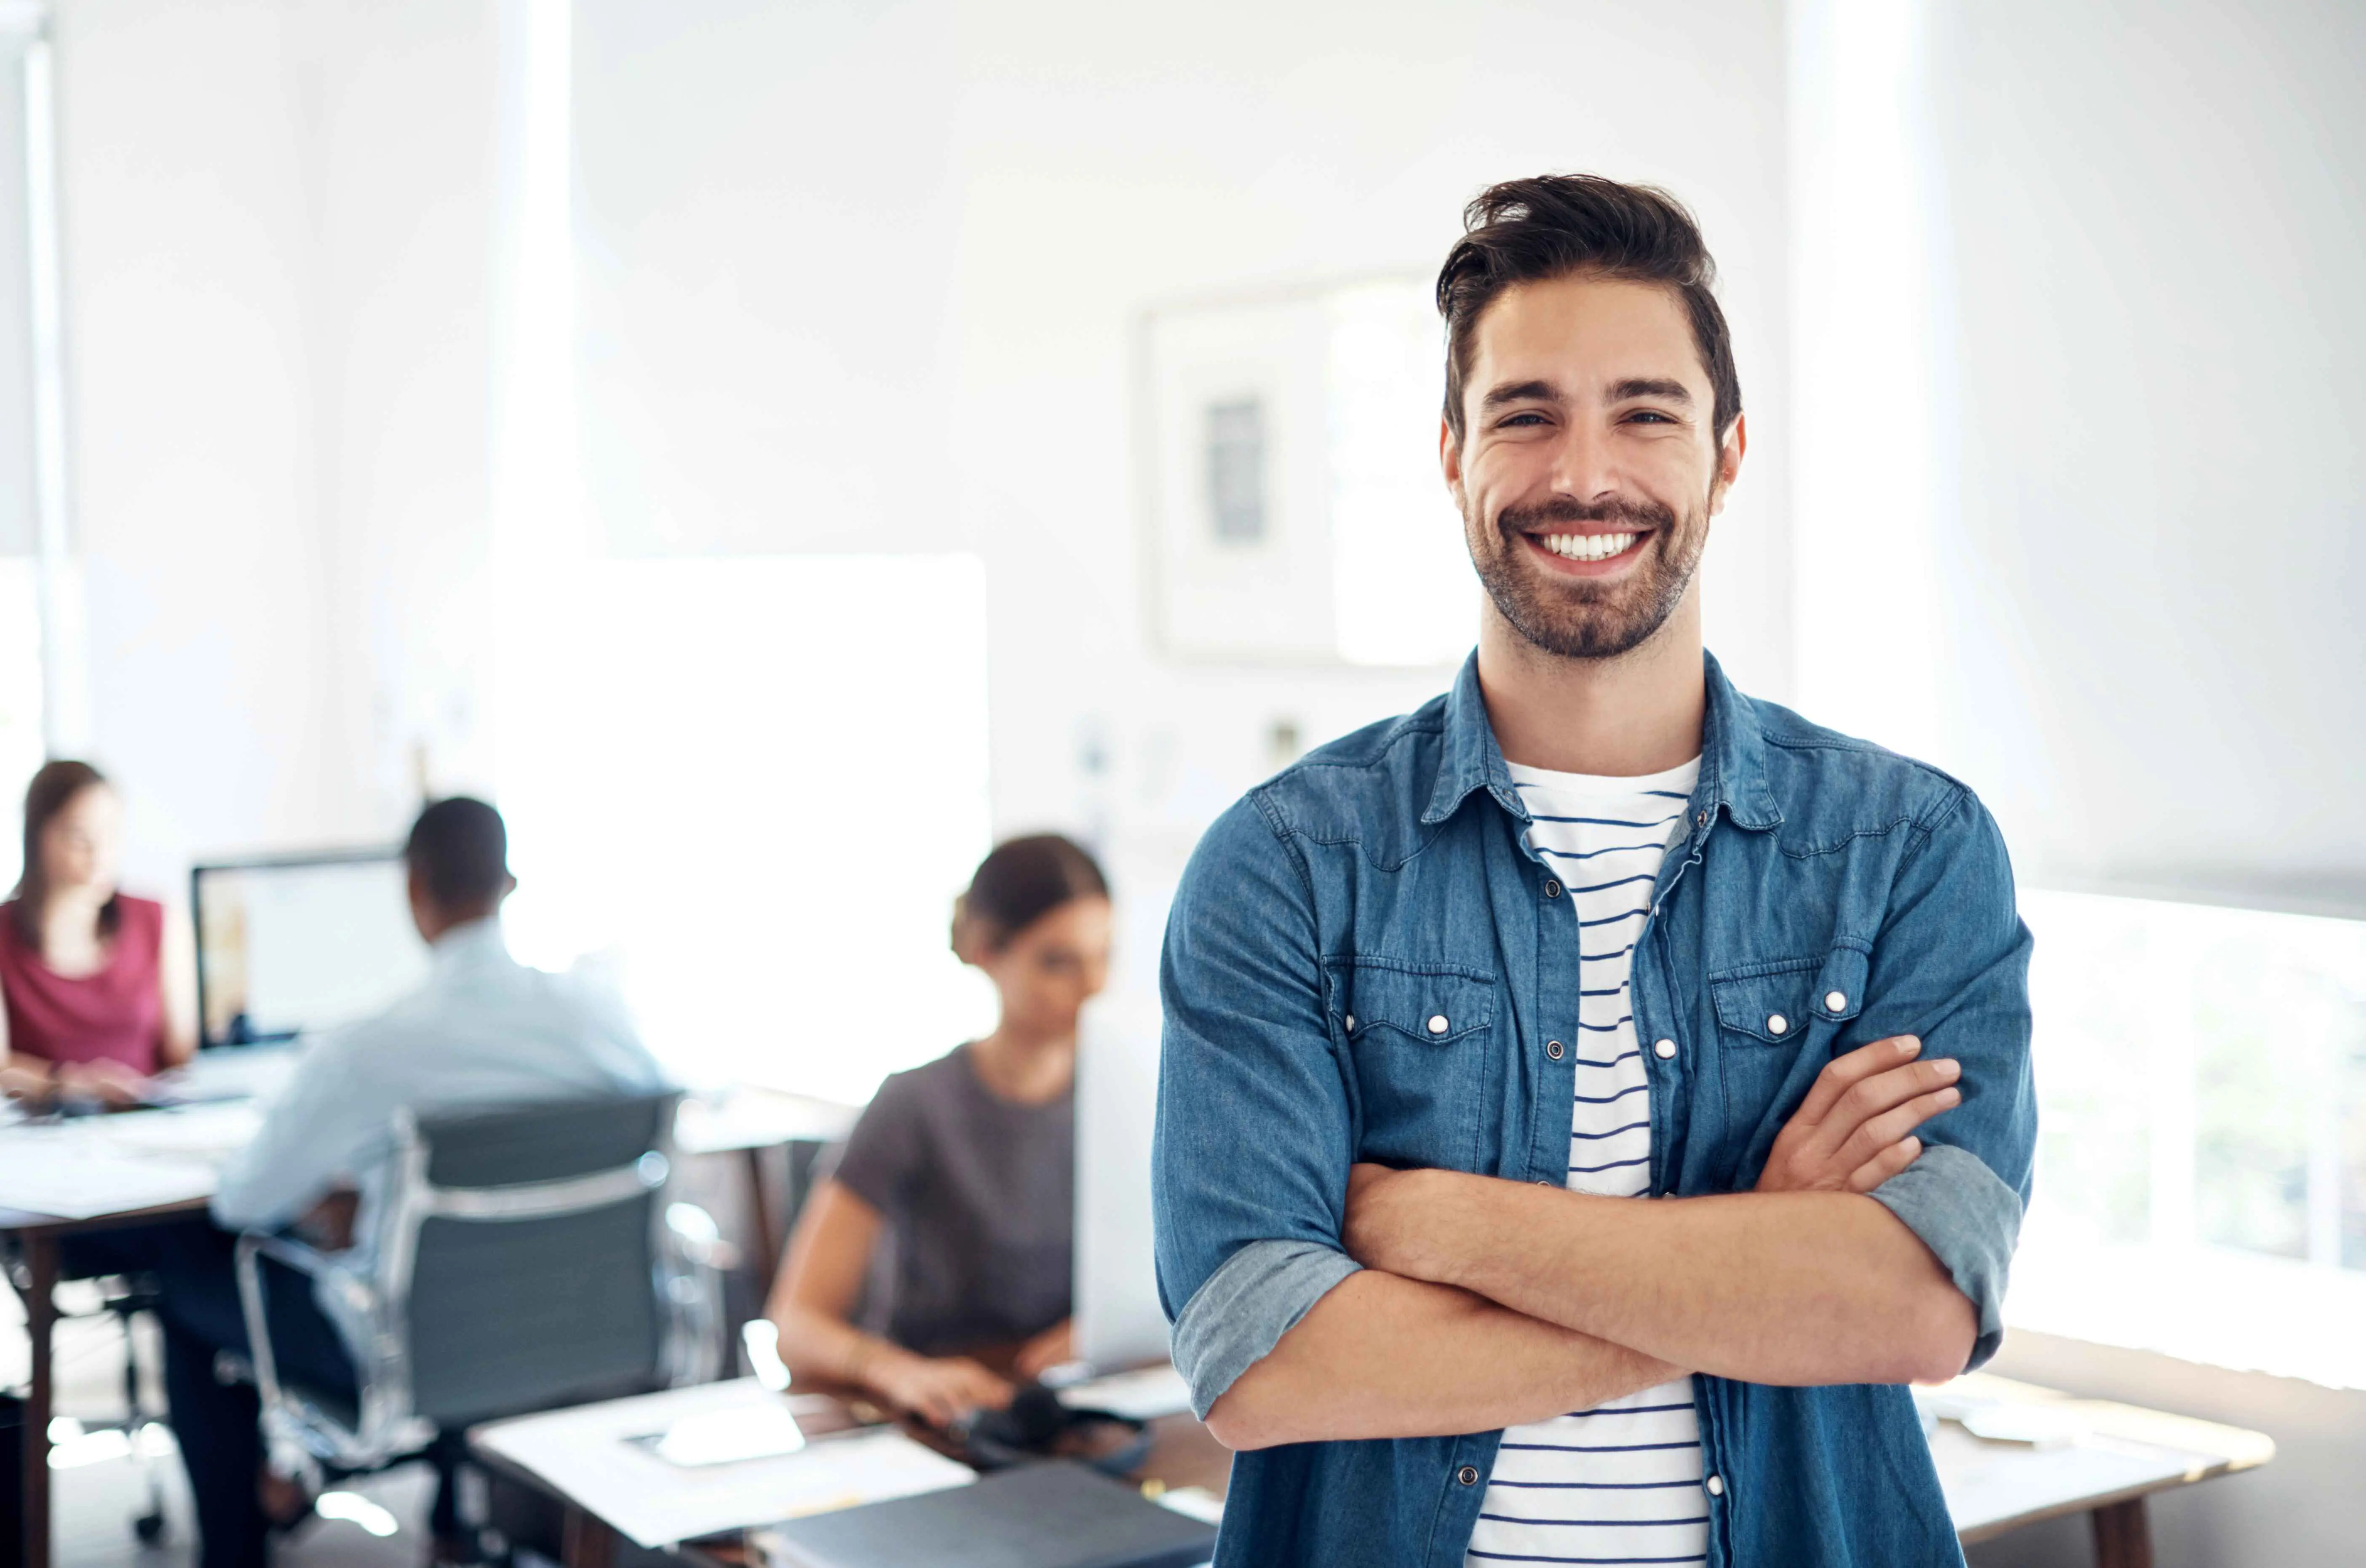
x=1287, y=443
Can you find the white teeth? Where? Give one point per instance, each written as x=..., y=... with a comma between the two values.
x=1586, y=546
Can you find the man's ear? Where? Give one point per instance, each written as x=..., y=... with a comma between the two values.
x=1728, y=462
x=1450, y=460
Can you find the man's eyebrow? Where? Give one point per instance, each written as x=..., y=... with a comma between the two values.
x=1507, y=392
x=1650, y=386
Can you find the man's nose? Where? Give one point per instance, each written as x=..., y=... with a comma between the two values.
x=1584, y=466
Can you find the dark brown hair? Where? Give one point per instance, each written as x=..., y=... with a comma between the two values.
x=1556, y=225
x=53, y=787
x=1022, y=881
x=460, y=849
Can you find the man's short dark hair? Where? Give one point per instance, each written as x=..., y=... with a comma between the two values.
x=1564, y=225
x=460, y=849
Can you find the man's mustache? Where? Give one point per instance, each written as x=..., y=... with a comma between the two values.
x=1637, y=516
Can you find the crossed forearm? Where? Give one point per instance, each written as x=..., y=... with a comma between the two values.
x=1796, y=1288
x=1384, y=1357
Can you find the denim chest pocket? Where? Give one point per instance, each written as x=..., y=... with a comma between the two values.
x=1777, y=1023
x=1418, y=1036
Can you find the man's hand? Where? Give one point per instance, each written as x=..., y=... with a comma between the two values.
x=1856, y=1129
x=329, y=1224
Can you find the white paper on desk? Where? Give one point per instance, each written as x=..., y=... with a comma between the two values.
x=211, y=1133
x=1142, y=1395
x=588, y=1455
x=70, y=1172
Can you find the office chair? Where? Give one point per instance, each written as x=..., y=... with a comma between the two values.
x=526, y=1259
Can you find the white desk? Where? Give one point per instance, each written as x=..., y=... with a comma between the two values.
x=2094, y=1458
x=60, y=1178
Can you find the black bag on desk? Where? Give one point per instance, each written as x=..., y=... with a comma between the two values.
x=1058, y=1514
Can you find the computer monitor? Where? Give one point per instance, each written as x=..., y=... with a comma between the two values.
x=1117, y=1320
x=297, y=943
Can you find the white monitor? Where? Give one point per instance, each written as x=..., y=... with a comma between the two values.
x=294, y=946
x=1117, y=1320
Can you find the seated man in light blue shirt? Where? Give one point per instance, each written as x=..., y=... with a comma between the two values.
x=484, y=1031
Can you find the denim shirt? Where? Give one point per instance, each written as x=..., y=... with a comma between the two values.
x=1827, y=894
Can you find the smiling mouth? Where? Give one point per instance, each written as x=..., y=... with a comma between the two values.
x=1586, y=546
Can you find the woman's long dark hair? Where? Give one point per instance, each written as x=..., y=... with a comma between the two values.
x=1022, y=881
x=54, y=786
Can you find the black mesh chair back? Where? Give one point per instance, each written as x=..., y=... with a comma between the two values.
x=537, y=1274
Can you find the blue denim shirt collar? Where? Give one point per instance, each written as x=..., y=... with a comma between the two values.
x=1734, y=756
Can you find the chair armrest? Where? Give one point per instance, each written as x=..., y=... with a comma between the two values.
x=694, y=1349
x=254, y=1246
x=300, y=1256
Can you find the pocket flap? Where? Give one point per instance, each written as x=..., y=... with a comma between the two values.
x=1436, y=1003
x=1775, y=1002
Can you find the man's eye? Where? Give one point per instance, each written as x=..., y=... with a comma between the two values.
x=1522, y=419
x=1654, y=415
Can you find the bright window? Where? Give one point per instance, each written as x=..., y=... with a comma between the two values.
x=20, y=701
x=750, y=789
x=2200, y=1182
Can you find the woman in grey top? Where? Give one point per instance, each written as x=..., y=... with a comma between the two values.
x=947, y=1219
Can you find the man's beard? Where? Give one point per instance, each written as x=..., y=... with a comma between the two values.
x=1581, y=618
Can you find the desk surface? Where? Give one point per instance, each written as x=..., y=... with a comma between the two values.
x=2099, y=1454
x=140, y=1165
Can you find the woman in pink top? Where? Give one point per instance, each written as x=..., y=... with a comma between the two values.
x=99, y=987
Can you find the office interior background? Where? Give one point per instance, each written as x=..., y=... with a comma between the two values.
x=752, y=443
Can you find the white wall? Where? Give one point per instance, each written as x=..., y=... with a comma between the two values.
x=2138, y=233
x=852, y=278
x=864, y=277
x=277, y=237
x=190, y=305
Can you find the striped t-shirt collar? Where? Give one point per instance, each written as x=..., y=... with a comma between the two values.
x=1732, y=762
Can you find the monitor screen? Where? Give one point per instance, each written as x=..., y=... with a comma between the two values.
x=294, y=946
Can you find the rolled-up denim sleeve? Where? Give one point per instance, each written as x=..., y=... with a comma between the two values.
x=1950, y=967
x=1249, y=1163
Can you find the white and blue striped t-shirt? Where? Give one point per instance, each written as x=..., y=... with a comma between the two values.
x=1620, y=1483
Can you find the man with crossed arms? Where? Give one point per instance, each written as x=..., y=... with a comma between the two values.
x=1444, y=997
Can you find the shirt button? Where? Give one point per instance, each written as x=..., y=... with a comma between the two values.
x=1663, y=1049
x=1701, y=818
x=1776, y=1023
x=1437, y=1024
x=1835, y=1001
x=1468, y=1475
x=1552, y=888
x=1553, y=1048
x=1351, y=1023
x=1542, y=1182
x=1715, y=1485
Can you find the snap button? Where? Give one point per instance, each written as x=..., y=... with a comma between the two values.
x=1715, y=1485
x=1701, y=818
x=1437, y=1024
x=1552, y=888
x=1554, y=1049
x=1776, y=1023
x=1835, y=1001
x=1663, y=1049
x=1542, y=1182
x=1351, y=1023
x=1468, y=1475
